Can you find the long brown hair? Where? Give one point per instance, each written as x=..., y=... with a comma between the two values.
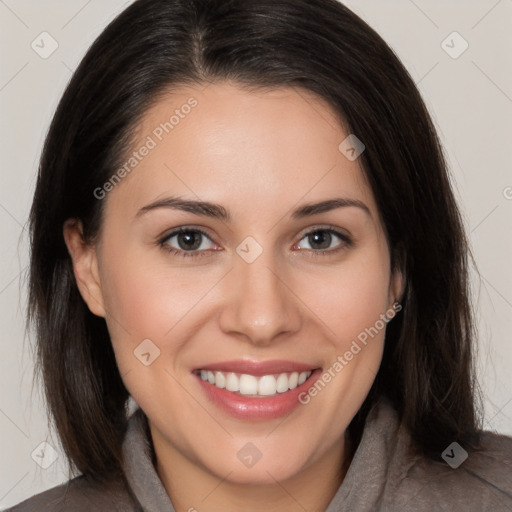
x=321, y=46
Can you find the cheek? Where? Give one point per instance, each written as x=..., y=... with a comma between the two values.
x=146, y=304
x=135, y=297
x=149, y=297
x=351, y=297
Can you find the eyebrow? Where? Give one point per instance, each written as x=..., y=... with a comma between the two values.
x=217, y=211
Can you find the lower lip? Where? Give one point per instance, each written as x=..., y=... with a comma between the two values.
x=247, y=408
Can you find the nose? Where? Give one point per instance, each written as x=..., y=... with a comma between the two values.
x=259, y=304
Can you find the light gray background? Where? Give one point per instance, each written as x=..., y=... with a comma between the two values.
x=470, y=98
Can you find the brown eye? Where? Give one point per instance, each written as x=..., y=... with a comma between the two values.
x=324, y=240
x=187, y=242
x=320, y=239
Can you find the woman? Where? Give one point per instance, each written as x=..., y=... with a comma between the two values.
x=243, y=221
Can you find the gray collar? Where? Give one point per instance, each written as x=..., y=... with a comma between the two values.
x=138, y=464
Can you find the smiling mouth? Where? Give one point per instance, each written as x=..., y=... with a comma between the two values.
x=252, y=386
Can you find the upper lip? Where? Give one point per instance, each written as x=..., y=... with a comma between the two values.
x=258, y=368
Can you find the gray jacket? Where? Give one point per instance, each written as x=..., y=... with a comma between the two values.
x=384, y=475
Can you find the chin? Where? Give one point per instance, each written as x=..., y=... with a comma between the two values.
x=264, y=468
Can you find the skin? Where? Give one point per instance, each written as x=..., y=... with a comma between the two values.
x=259, y=154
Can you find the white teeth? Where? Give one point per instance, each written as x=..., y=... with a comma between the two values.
x=302, y=378
x=282, y=383
x=248, y=385
x=294, y=378
x=266, y=385
x=232, y=382
x=220, y=380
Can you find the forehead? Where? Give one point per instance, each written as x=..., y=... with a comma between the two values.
x=264, y=149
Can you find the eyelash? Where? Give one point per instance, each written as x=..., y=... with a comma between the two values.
x=347, y=242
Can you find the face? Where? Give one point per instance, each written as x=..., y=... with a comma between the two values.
x=215, y=328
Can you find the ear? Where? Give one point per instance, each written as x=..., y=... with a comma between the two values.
x=85, y=266
x=397, y=287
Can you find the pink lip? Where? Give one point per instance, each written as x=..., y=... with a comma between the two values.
x=258, y=368
x=257, y=408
